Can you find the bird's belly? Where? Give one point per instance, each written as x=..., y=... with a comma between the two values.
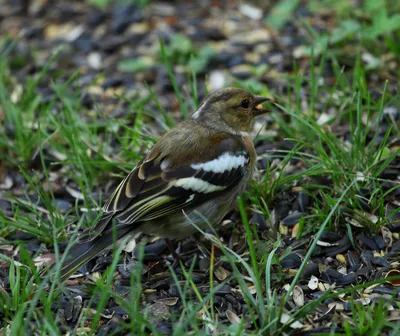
x=181, y=225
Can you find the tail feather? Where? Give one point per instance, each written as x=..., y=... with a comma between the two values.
x=86, y=251
x=96, y=230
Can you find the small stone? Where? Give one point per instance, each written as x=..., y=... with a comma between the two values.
x=94, y=60
x=251, y=11
x=64, y=206
x=96, y=17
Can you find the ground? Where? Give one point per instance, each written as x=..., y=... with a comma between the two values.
x=86, y=88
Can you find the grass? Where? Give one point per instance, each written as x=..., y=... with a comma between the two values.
x=89, y=148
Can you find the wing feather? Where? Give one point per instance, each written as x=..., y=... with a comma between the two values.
x=157, y=188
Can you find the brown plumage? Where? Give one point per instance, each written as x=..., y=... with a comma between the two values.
x=196, y=170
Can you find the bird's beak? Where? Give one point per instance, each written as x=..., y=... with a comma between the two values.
x=258, y=109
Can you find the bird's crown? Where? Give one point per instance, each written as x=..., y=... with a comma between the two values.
x=231, y=109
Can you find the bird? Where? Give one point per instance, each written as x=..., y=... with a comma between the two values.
x=193, y=174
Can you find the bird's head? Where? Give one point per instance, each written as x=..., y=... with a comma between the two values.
x=231, y=109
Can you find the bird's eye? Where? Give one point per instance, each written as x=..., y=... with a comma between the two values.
x=245, y=103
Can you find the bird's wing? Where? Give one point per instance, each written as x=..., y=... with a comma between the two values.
x=157, y=187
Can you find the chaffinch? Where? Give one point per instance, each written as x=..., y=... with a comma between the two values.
x=196, y=169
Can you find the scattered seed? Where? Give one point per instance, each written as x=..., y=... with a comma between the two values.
x=232, y=317
x=298, y=296
x=313, y=283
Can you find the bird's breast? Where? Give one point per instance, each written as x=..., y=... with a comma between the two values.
x=248, y=144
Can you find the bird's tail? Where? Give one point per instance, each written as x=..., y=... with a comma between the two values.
x=82, y=253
